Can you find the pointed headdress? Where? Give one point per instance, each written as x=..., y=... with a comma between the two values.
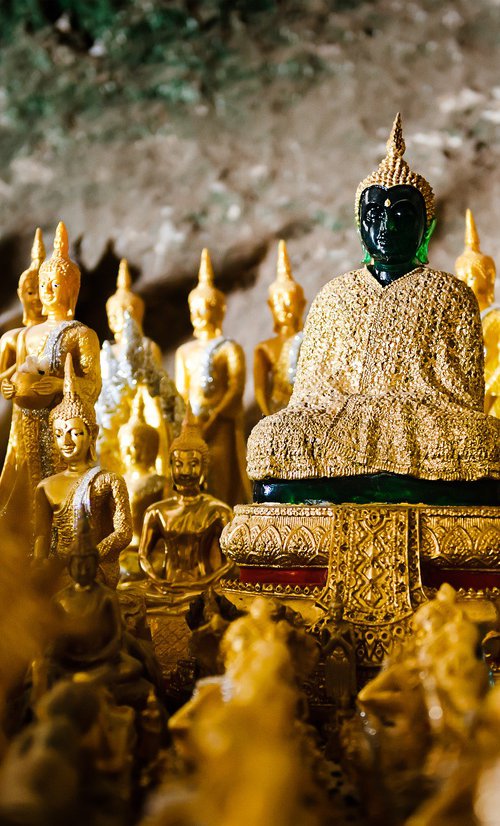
x=60, y=261
x=206, y=287
x=73, y=405
x=284, y=278
x=474, y=267
x=190, y=437
x=124, y=298
x=37, y=257
x=137, y=425
x=393, y=170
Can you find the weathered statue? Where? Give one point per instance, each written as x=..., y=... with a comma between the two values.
x=32, y=314
x=210, y=375
x=275, y=360
x=139, y=443
x=37, y=383
x=180, y=537
x=390, y=380
x=82, y=484
x=130, y=361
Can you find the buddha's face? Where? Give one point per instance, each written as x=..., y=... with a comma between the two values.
x=187, y=469
x=392, y=223
x=139, y=447
x=206, y=314
x=30, y=298
x=55, y=291
x=83, y=568
x=286, y=307
x=73, y=439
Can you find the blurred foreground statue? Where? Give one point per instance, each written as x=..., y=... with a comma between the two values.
x=210, y=375
x=478, y=271
x=275, y=360
x=37, y=383
x=132, y=364
x=83, y=484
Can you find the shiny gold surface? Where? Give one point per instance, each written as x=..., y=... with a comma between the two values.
x=275, y=360
x=210, y=376
x=82, y=485
x=474, y=268
x=491, y=332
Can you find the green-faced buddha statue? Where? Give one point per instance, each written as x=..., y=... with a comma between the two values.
x=388, y=398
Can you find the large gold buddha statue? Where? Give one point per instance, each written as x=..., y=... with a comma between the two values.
x=478, y=271
x=37, y=383
x=82, y=485
x=210, y=375
x=130, y=360
x=390, y=382
x=275, y=360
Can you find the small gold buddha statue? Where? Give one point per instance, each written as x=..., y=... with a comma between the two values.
x=32, y=314
x=129, y=360
x=139, y=443
x=275, y=360
x=390, y=379
x=474, y=268
x=180, y=537
x=61, y=497
x=37, y=383
x=210, y=375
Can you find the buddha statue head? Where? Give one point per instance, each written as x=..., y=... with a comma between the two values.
x=27, y=288
x=476, y=269
x=74, y=422
x=124, y=301
x=139, y=441
x=189, y=457
x=59, y=279
x=207, y=304
x=286, y=298
x=395, y=210
x=83, y=559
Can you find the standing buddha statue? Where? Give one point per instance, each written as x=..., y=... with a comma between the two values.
x=275, y=360
x=37, y=382
x=82, y=484
x=127, y=361
x=478, y=271
x=210, y=376
x=388, y=399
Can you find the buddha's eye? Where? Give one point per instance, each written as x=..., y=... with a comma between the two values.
x=373, y=213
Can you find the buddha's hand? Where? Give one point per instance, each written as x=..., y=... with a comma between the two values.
x=8, y=389
x=48, y=385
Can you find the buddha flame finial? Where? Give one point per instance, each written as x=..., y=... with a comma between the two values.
x=206, y=272
x=471, y=236
x=38, y=249
x=190, y=437
x=69, y=385
x=124, y=280
x=61, y=243
x=284, y=269
x=138, y=408
x=393, y=170
x=73, y=405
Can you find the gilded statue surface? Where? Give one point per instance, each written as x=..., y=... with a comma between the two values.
x=36, y=385
x=210, y=376
x=180, y=536
x=132, y=363
x=275, y=360
x=391, y=369
x=101, y=494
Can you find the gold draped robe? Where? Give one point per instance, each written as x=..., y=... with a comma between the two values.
x=389, y=379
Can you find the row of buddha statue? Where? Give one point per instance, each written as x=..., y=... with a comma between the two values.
x=385, y=382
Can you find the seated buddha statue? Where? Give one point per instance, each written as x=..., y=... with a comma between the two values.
x=210, y=375
x=37, y=382
x=388, y=398
x=275, y=360
x=479, y=272
x=180, y=537
x=82, y=484
x=130, y=359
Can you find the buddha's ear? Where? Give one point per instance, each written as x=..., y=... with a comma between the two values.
x=422, y=253
x=367, y=259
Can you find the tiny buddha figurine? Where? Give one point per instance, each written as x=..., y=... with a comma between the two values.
x=139, y=443
x=187, y=525
x=129, y=361
x=478, y=271
x=32, y=314
x=82, y=484
x=389, y=393
x=338, y=649
x=210, y=375
x=275, y=360
x=37, y=383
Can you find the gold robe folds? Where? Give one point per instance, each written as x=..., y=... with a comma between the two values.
x=389, y=379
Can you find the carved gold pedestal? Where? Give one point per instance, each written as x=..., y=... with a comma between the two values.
x=378, y=559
